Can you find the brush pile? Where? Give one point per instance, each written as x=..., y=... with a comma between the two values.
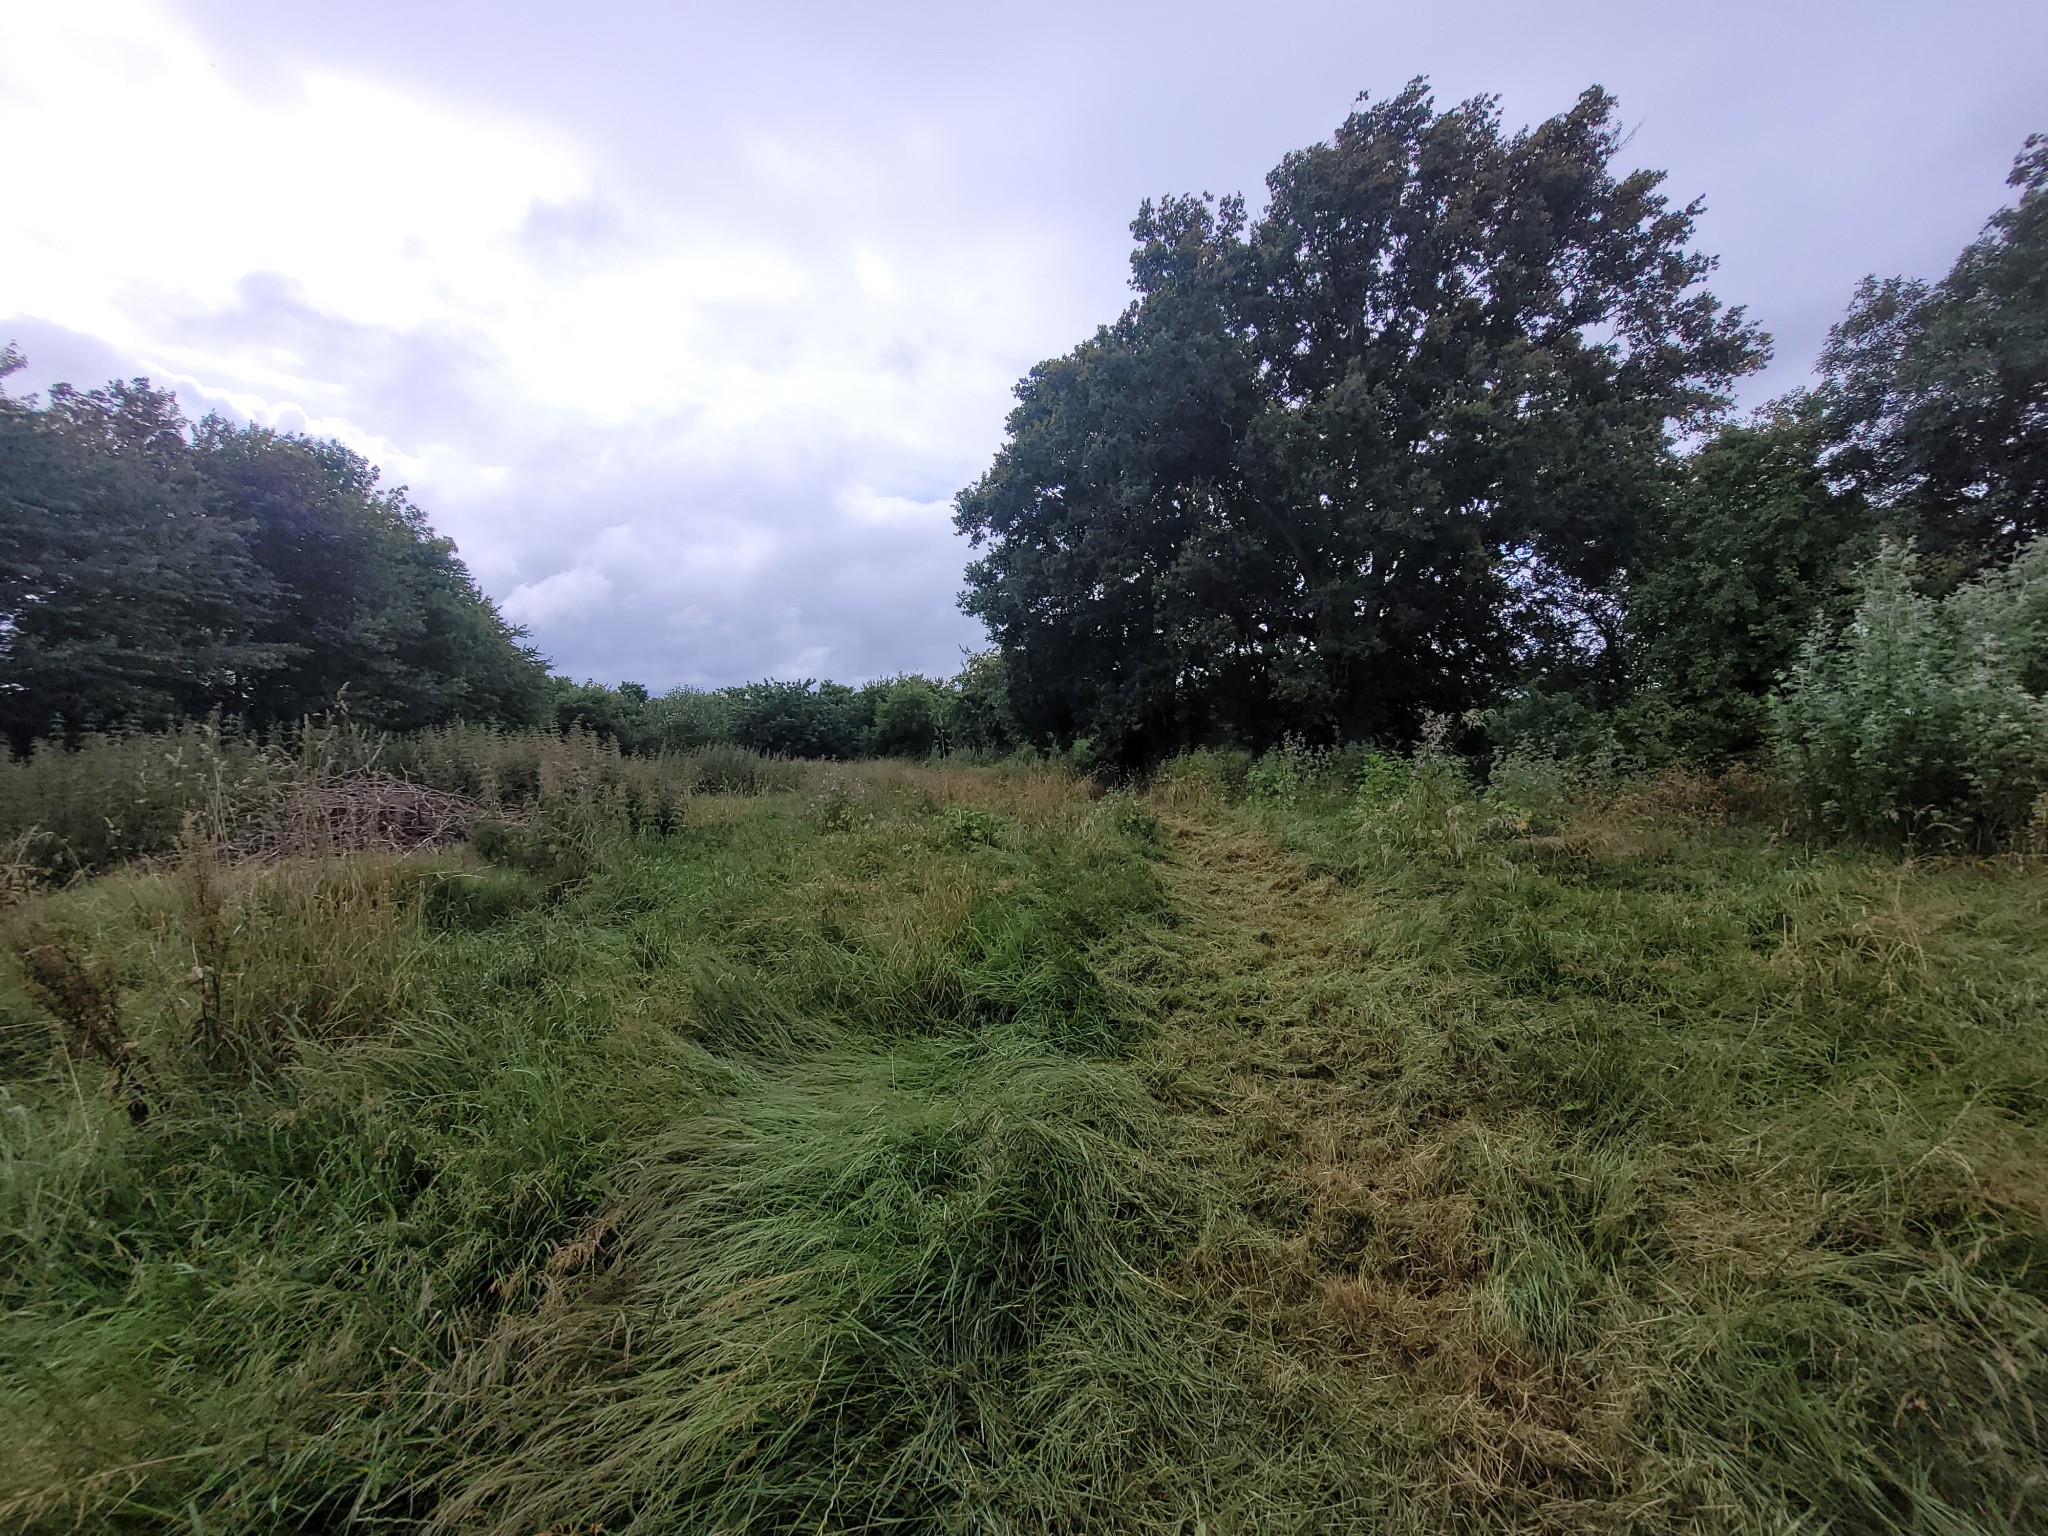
x=374, y=813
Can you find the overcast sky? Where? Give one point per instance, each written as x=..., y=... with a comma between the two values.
x=687, y=321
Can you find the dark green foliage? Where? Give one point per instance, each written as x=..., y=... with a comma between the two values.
x=1116, y=559
x=685, y=719
x=1736, y=560
x=127, y=598
x=910, y=717
x=372, y=607
x=798, y=719
x=978, y=714
x=1928, y=426
x=1937, y=395
x=1348, y=464
x=616, y=714
x=151, y=572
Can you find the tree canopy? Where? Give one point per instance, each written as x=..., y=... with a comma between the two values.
x=1347, y=462
x=151, y=570
x=1737, y=558
x=1937, y=394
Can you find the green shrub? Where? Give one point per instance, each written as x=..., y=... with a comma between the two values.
x=909, y=719
x=687, y=719
x=968, y=826
x=798, y=719
x=1283, y=774
x=1924, y=719
x=1295, y=770
x=1382, y=778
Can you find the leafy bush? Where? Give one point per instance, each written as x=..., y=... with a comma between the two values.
x=1284, y=774
x=800, y=719
x=909, y=719
x=968, y=826
x=685, y=720
x=1924, y=720
x=1381, y=780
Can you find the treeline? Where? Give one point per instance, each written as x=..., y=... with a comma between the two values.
x=1444, y=431
x=1442, y=435
x=906, y=716
x=154, y=570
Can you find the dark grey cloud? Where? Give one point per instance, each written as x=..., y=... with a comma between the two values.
x=694, y=410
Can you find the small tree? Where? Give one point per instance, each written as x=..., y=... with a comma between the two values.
x=978, y=717
x=910, y=719
x=1748, y=545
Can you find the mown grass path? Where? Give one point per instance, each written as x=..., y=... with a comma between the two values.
x=1607, y=1180
x=1343, y=1275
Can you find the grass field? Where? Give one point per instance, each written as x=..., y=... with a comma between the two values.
x=893, y=1148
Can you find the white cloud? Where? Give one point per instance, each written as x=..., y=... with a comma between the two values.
x=572, y=594
x=155, y=183
x=866, y=504
x=686, y=321
x=461, y=297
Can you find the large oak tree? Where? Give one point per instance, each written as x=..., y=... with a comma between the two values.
x=1353, y=460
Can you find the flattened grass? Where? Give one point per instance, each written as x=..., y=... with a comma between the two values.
x=939, y=1149
x=274, y=1304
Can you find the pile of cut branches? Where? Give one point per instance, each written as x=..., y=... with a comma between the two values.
x=371, y=813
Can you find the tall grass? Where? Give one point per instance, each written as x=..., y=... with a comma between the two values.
x=1326, y=1144
x=71, y=811
x=308, y=1256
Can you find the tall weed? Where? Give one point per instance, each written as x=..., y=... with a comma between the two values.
x=1925, y=720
